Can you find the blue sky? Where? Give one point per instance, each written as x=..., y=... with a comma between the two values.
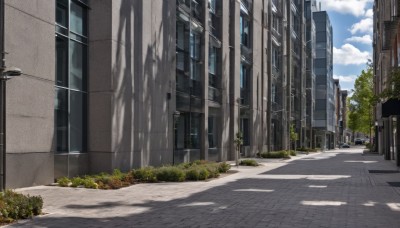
x=352, y=37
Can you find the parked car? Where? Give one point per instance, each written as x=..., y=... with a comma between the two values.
x=358, y=142
x=345, y=145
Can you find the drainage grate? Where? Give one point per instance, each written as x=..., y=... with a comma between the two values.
x=382, y=171
x=394, y=184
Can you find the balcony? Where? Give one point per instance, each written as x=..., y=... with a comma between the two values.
x=389, y=32
x=214, y=94
x=187, y=85
x=244, y=97
x=247, y=54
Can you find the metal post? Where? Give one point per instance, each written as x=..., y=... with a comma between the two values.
x=2, y=102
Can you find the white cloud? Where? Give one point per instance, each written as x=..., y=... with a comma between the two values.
x=363, y=26
x=366, y=39
x=354, y=7
x=349, y=78
x=349, y=55
x=369, y=13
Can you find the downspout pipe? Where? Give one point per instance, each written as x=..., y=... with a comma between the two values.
x=2, y=100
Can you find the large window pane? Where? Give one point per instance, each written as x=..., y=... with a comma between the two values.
x=78, y=19
x=62, y=13
x=61, y=114
x=77, y=53
x=62, y=61
x=77, y=123
x=212, y=62
x=195, y=46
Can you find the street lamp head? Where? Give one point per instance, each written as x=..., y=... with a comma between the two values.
x=11, y=72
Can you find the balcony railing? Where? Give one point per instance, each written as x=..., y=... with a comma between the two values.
x=244, y=97
x=187, y=85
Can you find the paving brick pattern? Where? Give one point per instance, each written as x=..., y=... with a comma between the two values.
x=330, y=189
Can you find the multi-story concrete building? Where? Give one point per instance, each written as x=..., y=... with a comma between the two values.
x=310, y=8
x=324, y=112
x=386, y=58
x=126, y=84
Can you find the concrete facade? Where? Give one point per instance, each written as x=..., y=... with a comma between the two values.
x=386, y=59
x=160, y=82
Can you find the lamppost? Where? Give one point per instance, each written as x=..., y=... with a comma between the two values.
x=175, y=115
x=5, y=74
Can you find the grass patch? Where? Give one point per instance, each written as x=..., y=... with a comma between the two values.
x=248, y=162
x=190, y=171
x=14, y=206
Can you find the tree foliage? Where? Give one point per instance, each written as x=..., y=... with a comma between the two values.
x=392, y=89
x=361, y=103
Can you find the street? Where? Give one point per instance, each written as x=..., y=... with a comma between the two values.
x=330, y=189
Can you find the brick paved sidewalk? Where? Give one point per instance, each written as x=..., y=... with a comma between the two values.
x=330, y=189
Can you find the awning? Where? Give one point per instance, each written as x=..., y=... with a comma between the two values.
x=391, y=108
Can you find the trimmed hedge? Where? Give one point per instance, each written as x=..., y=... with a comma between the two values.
x=248, y=162
x=190, y=171
x=275, y=154
x=14, y=206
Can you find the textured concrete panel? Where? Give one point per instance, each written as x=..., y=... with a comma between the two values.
x=41, y=9
x=29, y=169
x=99, y=122
x=30, y=115
x=30, y=42
x=100, y=20
x=100, y=162
x=100, y=70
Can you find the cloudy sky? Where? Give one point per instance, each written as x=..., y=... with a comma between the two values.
x=352, y=37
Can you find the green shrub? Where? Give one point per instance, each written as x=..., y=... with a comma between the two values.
x=77, y=181
x=170, y=174
x=223, y=167
x=63, y=182
x=17, y=206
x=292, y=153
x=89, y=182
x=193, y=174
x=248, y=162
x=275, y=154
x=146, y=174
x=303, y=149
x=203, y=174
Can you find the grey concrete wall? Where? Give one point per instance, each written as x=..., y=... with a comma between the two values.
x=130, y=117
x=29, y=40
x=226, y=135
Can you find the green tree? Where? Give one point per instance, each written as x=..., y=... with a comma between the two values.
x=361, y=103
x=392, y=89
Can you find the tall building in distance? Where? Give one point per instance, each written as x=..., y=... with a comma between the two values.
x=309, y=8
x=386, y=58
x=126, y=84
x=324, y=112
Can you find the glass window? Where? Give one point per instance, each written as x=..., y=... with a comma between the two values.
x=77, y=121
x=244, y=128
x=71, y=76
x=212, y=60
x=62, y=13
x=244, y=31
x=62, y=61
x=188, y=131
x=77, y=53
x=195, y=45
x=61, y=115
x=78, y=19
x=212, y=139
